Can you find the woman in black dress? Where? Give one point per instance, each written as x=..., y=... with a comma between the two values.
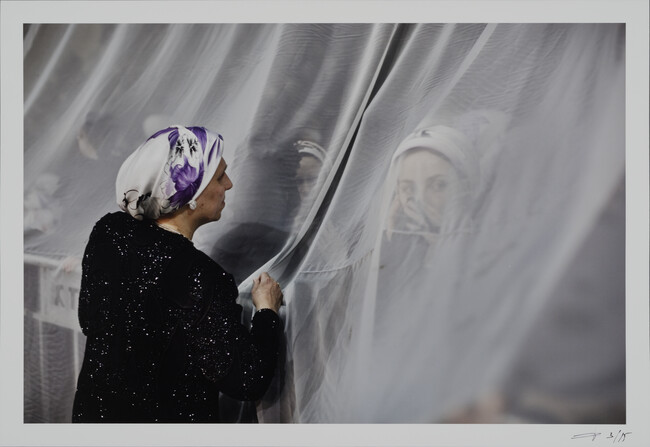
x=162, y=325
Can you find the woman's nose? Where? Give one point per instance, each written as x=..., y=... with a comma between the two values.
x=417, y=194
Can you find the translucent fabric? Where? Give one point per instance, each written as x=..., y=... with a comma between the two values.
x=443, y=205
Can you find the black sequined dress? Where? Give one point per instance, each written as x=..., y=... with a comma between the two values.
x=163, y=330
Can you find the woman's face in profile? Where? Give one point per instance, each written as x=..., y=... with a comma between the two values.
x=423, y=181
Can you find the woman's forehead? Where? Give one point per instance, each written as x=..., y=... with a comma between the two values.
x=222, y=165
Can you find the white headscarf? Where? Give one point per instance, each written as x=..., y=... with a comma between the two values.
x=447, y=142
x=168, y=171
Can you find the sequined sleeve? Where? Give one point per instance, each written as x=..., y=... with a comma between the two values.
x=239, y=361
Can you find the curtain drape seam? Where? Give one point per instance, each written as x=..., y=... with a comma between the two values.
x=335, y=269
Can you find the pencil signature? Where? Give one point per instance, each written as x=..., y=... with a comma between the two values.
x=615, y=437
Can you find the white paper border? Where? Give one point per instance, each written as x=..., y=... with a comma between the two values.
x=13, y=14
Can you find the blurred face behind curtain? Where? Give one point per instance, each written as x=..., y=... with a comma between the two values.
x=422, y=183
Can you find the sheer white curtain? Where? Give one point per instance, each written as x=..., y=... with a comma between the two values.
x=443, y=205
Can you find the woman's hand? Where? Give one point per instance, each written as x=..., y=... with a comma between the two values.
x=266, y=293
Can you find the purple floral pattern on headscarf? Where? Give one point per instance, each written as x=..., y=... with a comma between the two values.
x=187, y=166
x=186, y=179
x=202, y=135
